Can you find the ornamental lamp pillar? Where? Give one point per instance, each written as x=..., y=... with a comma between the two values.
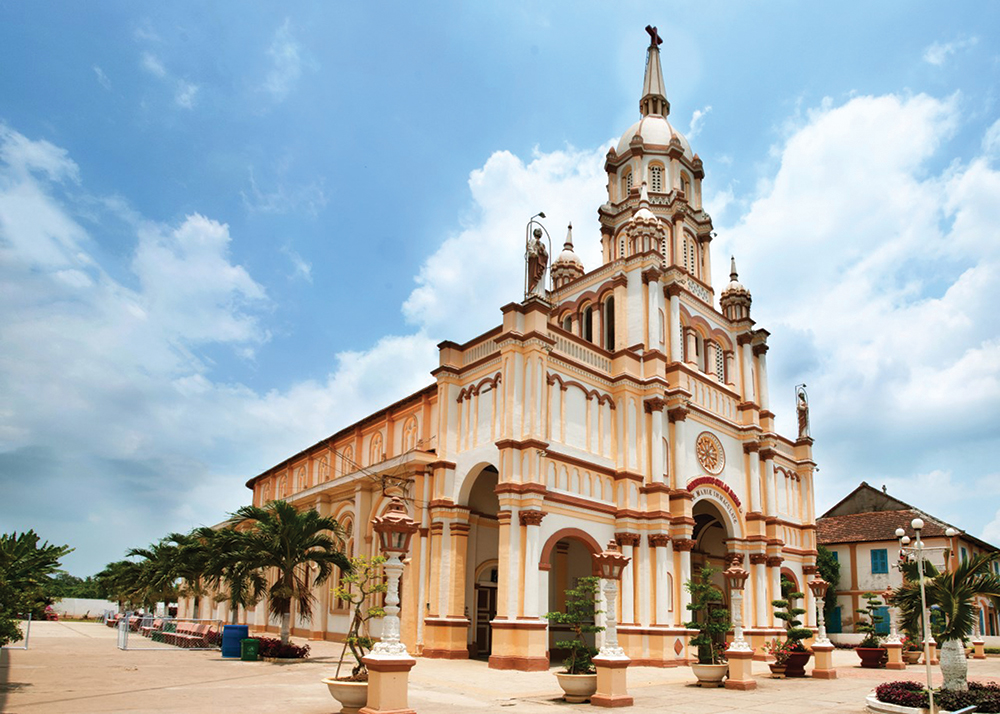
x=389, y=663
x=739, y=654
x=611, y=661
x=822, y=648
x=893, y=645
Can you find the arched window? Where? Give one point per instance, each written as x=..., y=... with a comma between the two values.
x=720, y=363
x=282, y=487
x=375, y=454
x=609, y=323
x=324, y=470
x=337, y=603
x=410, y=434
x=567, y=323
x=686, y=185
x=690, y=255
x=621, y=247
x=627, y=185
x=656, y=178
x=346, y=460
x=300, y=480
x=587, y=326
x=265, y=493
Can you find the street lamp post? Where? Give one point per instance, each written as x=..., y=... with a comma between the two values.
x=917, y=524
x=739, y=654
x=389, y=663
x=822, y=647
x=611, y=661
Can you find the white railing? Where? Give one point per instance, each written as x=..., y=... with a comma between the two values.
x=582, y=354
x=712, y=398
x=479, y=351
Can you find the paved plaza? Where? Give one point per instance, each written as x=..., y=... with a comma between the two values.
x=77, y=667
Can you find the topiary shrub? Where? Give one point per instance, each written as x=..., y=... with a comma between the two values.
x=272, y=647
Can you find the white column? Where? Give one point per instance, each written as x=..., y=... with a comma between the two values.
x=656, y=467
x=775, y=583
x=762, y=368
x=749, y=392
x=625, y=542
x=674, y=328
x=772, y=495
x=532, y=521
x=659, y=546
x=755, y=485
x=692, y=357
x=514, y=567
x=680, y=453
x=760, y=591
x=645, y=567
x=685, y=600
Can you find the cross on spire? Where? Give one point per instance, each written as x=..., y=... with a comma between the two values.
x=654, y=37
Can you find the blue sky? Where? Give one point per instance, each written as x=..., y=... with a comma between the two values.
x=220, y=223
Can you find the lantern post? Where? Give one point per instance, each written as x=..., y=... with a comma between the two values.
x=822, y=648
x=611, y=661
x=389, y=663
x=739, y=654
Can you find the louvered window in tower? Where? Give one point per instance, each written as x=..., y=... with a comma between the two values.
x=690, y=256
x=720, y=364
x=628, y=183
x=621, y=247
x=656, y=178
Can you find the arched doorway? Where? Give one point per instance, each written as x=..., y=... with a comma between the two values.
x=710, y=533
x=482, y=559
x=567, y=556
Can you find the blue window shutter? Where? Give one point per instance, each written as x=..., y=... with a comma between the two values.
x=880, y=561
x=834, y=626
x=882, y=627
x=836, y=555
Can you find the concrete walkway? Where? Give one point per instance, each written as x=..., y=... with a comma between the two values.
x=76, y=667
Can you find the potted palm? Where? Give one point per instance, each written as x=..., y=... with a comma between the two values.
x=579, y=678
x=953, y=593
x=797, y=655
x=356, y=589
x=870, y=650
x=711, y=620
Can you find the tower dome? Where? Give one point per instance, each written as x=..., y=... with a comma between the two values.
x=735, y=299
x=567, y=267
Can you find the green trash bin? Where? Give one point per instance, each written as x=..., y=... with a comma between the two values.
x=249, y=649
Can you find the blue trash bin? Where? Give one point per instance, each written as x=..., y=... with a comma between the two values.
x=231, y=636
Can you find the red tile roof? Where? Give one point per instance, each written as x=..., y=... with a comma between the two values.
x=874, y=526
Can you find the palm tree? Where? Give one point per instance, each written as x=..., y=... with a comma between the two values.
x=290, y=543
x=26, y=569
x=953, y=595
x=228, y=570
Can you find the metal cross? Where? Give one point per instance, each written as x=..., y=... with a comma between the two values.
x=654, y=37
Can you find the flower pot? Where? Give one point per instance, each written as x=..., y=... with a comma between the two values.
x=912, y=656
x=795, y=665
x=577, y=688
x=872, y=657
x=351, y=695
x=777, y=670
x=710, y=675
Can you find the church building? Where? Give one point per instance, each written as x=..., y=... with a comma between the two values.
x=624, y=401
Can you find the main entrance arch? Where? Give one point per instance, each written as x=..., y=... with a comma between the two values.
x=567, y=556
x=479, y=495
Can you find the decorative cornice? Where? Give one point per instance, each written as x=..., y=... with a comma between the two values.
x=531, y=517
x=775, y=561
x=678, y=413
x=658, y=540
x=651, y=275
x=654, y=404
x=758, y=559
x=759, y=350
x=751, y=446
x=629, y=539
x=684, y=544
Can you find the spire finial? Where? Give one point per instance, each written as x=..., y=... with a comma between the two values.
x=732, y=268
x=654, y=96
x=568, y=245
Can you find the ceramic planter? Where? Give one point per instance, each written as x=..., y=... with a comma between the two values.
x=351, y=695
x=777, y=670
x=710, y=675
x=795, y=665
x=577, y=688
x=912, y=656
x=872, y=657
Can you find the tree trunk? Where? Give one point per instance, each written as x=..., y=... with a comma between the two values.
x=286, y=622
x=954, y=666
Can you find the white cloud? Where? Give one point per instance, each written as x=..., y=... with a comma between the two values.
x=302, y=268
x=938, y=52
x=284, y=197
x=102, y=78
x=152, y=64
x=697, y=120
x=991, y=141
x=878, y=280
x=286, y=63
x=185, y=91
x=463, y=284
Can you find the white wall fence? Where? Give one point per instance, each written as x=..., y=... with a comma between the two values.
x=82, y=607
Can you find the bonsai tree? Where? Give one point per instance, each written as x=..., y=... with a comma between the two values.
x=953, y=593
x=869, y=627
x=356, y=588
x=711, y=618
x=581, y=607
x=787, y=612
